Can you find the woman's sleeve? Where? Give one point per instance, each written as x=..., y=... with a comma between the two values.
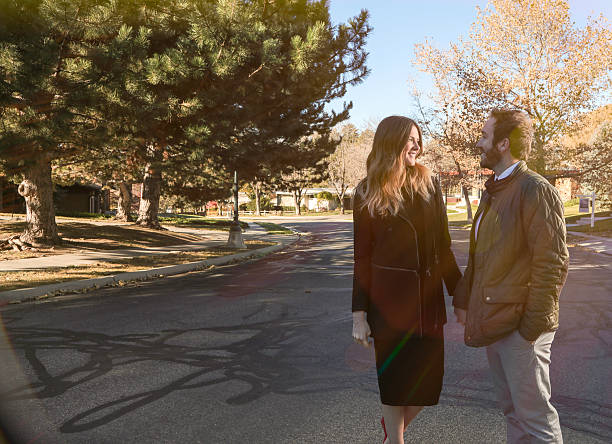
x=362, y=230
x=448, y=265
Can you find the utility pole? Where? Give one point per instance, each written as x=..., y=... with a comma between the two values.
x=235, y=235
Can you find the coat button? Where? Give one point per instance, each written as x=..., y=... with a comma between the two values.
x=488, y=298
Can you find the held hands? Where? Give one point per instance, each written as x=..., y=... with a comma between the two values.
x=461, y=315
x=361, y=329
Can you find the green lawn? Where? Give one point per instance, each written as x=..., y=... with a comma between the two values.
x=195, y=221
x=274, y=228
x=571, y=210
x=326, y=213
x=600, y=228
x=455, y=217
x=572, y=215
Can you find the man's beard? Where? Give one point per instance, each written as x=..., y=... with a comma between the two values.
x=490, y=159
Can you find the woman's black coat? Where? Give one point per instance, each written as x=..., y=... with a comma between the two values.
x=400, y=291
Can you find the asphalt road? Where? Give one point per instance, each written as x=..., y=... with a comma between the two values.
x=261, y=352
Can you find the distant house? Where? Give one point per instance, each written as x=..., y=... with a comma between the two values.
x=78, y=198
x=310, y=200
x=451, y=188
x=568, y=187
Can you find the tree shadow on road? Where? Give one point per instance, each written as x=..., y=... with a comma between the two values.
x=264, y=355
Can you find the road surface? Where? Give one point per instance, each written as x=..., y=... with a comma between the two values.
x=261, y=352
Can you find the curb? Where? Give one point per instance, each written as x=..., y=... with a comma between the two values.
x=44, y=291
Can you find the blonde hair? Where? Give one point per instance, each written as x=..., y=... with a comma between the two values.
x=388, y=173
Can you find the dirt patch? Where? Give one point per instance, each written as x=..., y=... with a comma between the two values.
x=11, y=280
x=79, y=236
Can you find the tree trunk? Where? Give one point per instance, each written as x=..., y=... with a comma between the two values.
x=149, y=203
x=257, y=200
x=296, y=202
x=468, y=204
x=37, y=190
x=124, y=205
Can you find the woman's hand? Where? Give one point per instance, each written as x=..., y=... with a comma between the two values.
x=461, y=316
x=361, y=329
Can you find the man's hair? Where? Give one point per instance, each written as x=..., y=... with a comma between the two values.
x=516, y=126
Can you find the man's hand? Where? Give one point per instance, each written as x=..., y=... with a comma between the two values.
x=461, y=315
x=361, y=329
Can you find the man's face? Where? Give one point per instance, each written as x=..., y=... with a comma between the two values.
x=489, y=154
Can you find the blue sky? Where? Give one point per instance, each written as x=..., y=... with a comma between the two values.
x=398, y=25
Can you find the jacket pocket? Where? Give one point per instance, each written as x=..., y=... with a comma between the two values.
x=395, y=294
x=503, y=307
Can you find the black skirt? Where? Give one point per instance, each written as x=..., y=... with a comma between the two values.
x=410, y=369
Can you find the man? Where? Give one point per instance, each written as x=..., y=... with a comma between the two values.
x=508, y=298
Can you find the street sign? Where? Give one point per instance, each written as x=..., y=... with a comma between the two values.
x=583, y=206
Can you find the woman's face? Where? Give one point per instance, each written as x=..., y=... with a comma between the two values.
x=412, y=148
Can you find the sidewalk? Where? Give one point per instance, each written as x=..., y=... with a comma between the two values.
x=215, y=238
x=598, y=244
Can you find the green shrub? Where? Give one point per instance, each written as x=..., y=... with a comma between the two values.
x=325, y=195
x=264, y=204
x=82, y=214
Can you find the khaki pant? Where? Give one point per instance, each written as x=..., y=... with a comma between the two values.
x=520, y=375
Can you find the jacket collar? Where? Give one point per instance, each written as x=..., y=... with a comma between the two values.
x=493, y=186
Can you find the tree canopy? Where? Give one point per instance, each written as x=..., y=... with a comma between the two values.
x=528, y=55
x=188, y=90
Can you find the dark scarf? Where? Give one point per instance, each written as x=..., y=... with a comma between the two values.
x=493, y=186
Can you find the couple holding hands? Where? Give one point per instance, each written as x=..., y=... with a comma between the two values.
x=507, y=298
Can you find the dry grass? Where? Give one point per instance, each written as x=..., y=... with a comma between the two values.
x=79, y=236
x=11, y=280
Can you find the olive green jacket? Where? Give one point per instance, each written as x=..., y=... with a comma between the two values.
x=518, y=264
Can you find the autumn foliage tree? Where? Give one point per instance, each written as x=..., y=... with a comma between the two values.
x=586, y=153
x=347, y=165
x=529, y=55
x=532, y=56
x=451, y=123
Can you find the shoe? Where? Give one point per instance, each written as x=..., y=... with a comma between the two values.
x=382, y=421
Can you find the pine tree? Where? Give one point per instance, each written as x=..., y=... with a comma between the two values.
x=47, y=88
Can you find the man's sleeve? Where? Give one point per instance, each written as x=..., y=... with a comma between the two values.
x=363, y=251
x=544, y=223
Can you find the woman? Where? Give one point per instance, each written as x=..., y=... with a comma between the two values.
x=402, y=254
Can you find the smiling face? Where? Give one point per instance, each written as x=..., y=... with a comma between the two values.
x=490, y=156
x=412, y=148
